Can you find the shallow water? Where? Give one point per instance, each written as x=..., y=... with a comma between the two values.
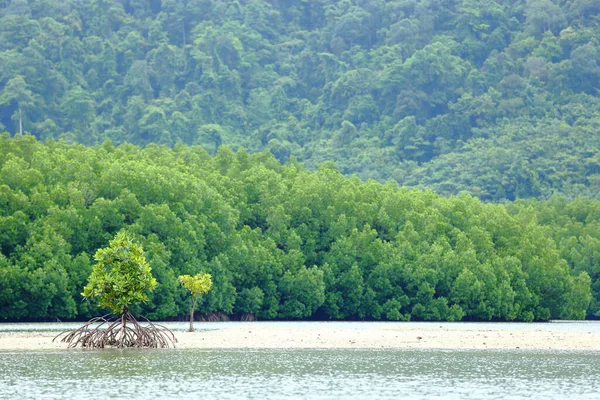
x=301, y=374
x=579, y=326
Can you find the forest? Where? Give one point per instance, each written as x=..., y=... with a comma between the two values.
x=352, y=159
x=496, y=98
x=281, y=241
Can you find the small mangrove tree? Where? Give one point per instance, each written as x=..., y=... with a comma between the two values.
x=120, y=278
x=197, y=285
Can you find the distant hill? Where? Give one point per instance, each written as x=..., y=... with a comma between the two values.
x=496, y=98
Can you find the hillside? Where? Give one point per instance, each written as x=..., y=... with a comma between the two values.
x=496, y=98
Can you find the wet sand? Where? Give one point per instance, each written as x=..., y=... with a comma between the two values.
x=360, y=338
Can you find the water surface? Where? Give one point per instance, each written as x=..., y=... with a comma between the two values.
x=580, y=326
x=299, y=374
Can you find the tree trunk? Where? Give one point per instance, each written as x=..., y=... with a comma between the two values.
x=192, y=316
x=123, y=327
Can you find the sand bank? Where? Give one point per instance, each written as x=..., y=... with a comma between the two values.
x=379, y=337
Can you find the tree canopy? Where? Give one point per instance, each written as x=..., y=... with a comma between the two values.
x=348, y=159
x=496, y=98
x=121, y=277
x=279, y=240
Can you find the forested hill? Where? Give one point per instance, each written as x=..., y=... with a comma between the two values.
x=498, y=98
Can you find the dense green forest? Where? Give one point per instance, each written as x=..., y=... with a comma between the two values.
x=282, y=241
x=237, y=138
x=498, y=98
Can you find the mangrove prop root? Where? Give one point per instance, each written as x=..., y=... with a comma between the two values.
x=118, y=331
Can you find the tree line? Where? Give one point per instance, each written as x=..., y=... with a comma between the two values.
x=495, y=98
x=282, y=241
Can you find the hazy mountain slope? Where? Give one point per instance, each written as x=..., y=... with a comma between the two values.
x=498, y=98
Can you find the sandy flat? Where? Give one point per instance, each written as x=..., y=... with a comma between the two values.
x=378, y=337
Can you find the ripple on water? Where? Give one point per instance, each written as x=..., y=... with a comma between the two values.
x=316, y=374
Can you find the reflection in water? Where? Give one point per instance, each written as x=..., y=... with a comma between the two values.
x=273, y=374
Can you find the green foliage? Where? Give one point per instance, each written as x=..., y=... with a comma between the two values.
x=121, y=277
x=278, y=240
x=197, y=285
x=495, y=98
x=302, y=292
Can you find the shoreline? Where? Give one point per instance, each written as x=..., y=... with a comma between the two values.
x=256, y=337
